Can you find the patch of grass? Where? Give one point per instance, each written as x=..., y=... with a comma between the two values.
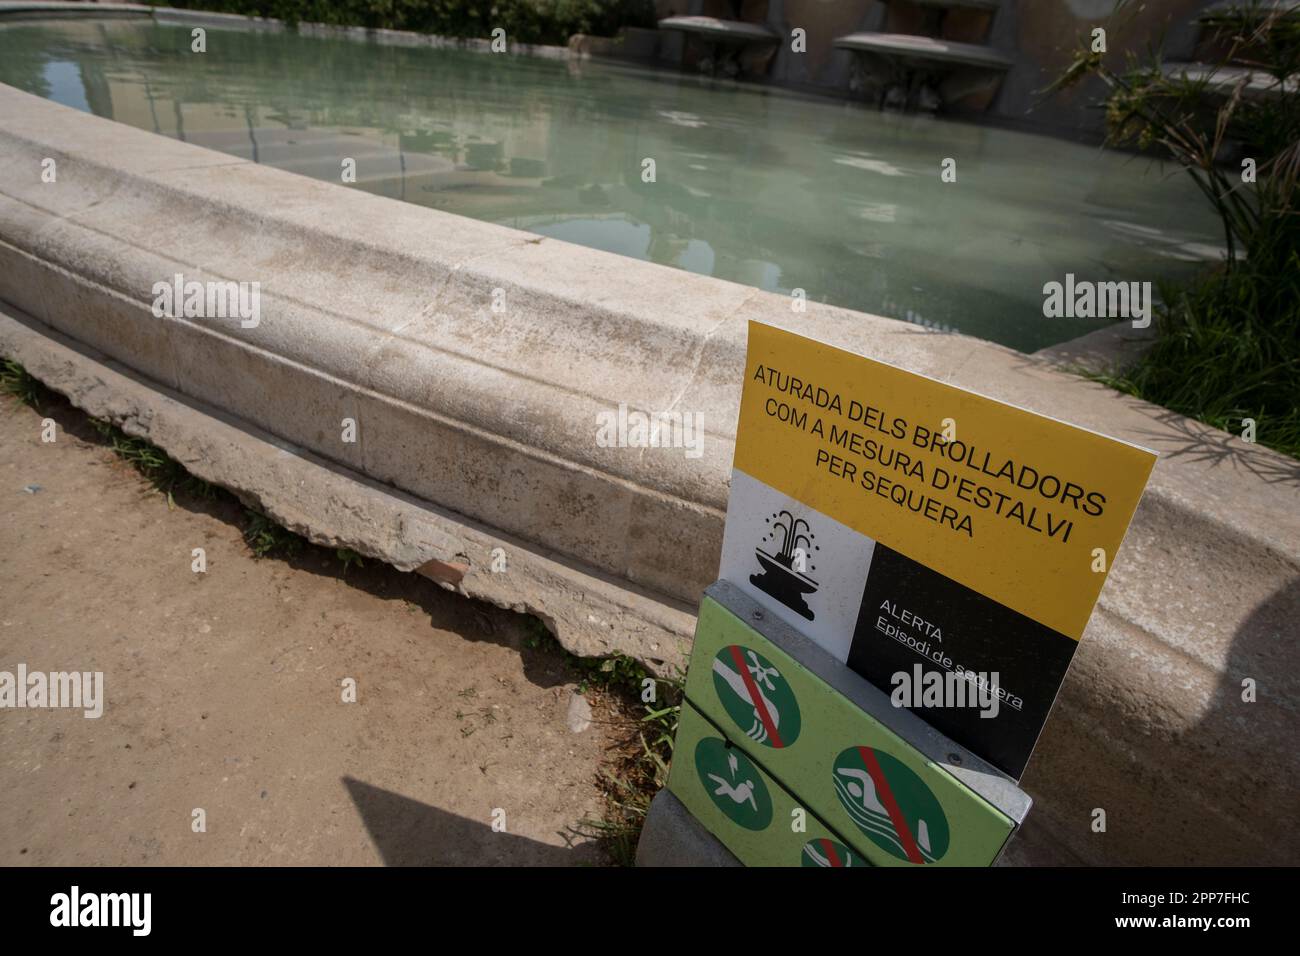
x=21, y=384
x=1216, y=359
x=618, y=672
x=538, y=635
x=163, y=472
x=264, y=536
x=267, y=539
x=638, y=761
x=347, y=557
x=160, y=469
x=639, y=770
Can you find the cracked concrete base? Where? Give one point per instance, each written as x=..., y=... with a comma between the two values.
x=334, y=507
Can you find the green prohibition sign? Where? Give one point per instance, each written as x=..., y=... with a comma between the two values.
x=891, y=805
x=827, y=852
x=733, y=783
x=756, y=696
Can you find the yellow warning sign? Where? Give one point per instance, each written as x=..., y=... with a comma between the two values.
x=1022, y=508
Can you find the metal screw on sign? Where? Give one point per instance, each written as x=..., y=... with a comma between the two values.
x=758, y=615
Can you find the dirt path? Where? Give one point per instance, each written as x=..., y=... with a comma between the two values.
x=224, y=690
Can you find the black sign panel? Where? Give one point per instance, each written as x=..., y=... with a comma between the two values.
x=916, y=622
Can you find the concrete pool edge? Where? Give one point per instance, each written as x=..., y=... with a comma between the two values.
x=586, y=331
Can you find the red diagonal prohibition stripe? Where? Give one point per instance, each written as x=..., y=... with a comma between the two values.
x=829, y=847
x=891, y=805
x=756, y=697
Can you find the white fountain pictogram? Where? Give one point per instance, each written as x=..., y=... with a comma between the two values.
x=792, y=537
x=782, y=576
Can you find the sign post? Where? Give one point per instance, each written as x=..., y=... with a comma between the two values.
x=907, y=570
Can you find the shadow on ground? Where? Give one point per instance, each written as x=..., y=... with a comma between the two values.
x=409, y=833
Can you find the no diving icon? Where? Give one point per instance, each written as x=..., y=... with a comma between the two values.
x=756, y=696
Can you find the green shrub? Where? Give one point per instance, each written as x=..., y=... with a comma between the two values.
x=1228, y=343
x=525, y=21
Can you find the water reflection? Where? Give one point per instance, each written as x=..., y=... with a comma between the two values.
x=767, y=189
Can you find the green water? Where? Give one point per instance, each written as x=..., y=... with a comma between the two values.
x=764, y=188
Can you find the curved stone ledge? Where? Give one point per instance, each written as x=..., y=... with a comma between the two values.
x=381, y=311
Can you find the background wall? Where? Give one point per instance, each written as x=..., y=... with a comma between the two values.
x=1040, y=36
